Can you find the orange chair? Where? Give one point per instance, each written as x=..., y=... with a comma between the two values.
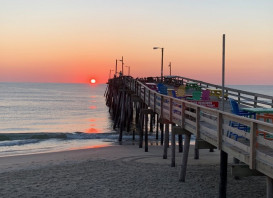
x=266, y=118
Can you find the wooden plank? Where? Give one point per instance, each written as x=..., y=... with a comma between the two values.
x=264, y=158
x=261, y=140
x=236, y=131
x=190, y=122
x=266, y=127
x=176, y=116
x=210, y=121
x=235, y=118
x=190, y=114
x=190, y=129
x=208, y=130
x=236, y=144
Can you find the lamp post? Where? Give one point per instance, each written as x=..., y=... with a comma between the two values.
x=162, y=51
x=110, y=73
x=170, y=66
x=116, y=67
x=128, y=70
x=121, y=65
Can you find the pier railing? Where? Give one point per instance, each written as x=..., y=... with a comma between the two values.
x=214, y=126
x=242, y=97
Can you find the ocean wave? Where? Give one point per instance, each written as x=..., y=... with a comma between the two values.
x=12, y=139
x=44, y=136
x=18, y=142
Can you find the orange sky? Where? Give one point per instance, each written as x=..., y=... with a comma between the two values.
x=73, y=41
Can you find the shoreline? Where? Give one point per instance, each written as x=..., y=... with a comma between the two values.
x=119, y=171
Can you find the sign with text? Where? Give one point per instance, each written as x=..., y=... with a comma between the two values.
x=210, y=104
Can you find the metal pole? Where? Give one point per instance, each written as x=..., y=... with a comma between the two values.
x=109, y=74
x=129, y=71
x=122, y=65
x=170, y=65
x=162, y=51
x=223, y=73
x=116, y=67
x=223, y=155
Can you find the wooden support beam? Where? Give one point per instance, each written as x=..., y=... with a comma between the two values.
x=156, y=132
x=180, y=143
x=182, y=174
x=162, y=133
x=173, y=149
x=196, y=149
x=144, y=122
x=176, y=130
x=141, y=119
x=146, y=132
x=223, y=174
x=166, y=141
x=269, y=187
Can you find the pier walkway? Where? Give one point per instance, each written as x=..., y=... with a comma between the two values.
x=208, y=124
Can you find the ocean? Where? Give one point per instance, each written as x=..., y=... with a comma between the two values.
x=50, y=117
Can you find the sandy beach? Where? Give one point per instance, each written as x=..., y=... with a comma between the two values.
x=118, y=171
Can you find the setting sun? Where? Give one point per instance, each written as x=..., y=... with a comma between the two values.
x=93, y=81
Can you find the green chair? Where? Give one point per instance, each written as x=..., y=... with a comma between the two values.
x=196, y=95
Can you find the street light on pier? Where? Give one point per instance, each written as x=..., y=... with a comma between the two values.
x=170, y=66
x=122, y=63
x=128, y=70
x=162, y=51
x=110, y=73
x=116, y=67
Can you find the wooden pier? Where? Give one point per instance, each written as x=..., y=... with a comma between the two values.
x=126, y=97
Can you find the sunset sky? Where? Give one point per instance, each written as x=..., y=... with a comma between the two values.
x=76, y=40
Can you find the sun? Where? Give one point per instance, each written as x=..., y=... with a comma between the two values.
x=93, y=81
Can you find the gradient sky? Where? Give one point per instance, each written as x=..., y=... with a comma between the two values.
x=75, y=40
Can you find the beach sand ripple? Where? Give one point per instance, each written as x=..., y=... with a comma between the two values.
x=127, y=176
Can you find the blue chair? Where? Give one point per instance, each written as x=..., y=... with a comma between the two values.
x=162, y=89
x=236, y=110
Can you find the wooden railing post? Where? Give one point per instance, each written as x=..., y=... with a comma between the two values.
x=197, y=131
x=220, y=130
x=183, y=115
x=161, y=107
x=144, y=99
x=255, y=101
x=171, y=110
x=252, y=159
x=149, y=98
x=155, y=102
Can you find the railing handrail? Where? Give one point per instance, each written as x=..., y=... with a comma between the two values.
x=227, y=90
